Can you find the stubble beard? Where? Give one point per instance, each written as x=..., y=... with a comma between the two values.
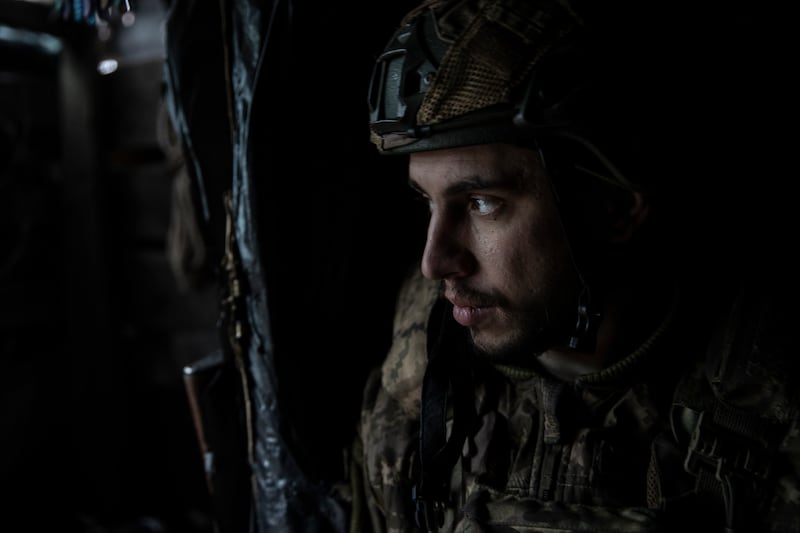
x=528, y=336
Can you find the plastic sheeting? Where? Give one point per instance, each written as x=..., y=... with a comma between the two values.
x=269, y=99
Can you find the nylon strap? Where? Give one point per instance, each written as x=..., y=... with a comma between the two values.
x=447, y=382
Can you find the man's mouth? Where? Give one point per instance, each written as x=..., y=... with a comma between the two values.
x=467, y=315
x=469, y=306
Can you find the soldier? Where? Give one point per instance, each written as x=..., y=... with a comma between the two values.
x=575, y=352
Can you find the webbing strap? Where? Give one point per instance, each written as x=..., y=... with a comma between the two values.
x=731, y=453
x=447, y=382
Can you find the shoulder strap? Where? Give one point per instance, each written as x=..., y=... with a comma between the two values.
x=734, y=411
x=447, y=384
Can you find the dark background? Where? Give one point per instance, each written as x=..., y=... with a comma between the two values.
x=95, y=324
x=105, y=295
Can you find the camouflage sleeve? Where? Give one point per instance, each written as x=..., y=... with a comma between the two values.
x=366, y=506
x=387, y=437
x=404, y=366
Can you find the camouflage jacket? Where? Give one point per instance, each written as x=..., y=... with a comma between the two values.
x=643, y=445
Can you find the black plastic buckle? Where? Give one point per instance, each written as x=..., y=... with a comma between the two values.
x=725, y=452
x=428, y=513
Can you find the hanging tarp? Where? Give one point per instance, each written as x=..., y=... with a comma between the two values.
x=270, y=100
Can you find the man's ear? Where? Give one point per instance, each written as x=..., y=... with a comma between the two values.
x=626, y=214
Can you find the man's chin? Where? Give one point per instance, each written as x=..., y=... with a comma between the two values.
x=497, y=350
x=519, y=350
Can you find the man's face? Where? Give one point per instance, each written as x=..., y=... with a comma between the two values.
x=496, y=241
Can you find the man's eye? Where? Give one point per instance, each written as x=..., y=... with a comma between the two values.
x=483, y=205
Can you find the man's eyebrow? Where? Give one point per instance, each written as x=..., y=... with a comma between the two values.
x=473, y=183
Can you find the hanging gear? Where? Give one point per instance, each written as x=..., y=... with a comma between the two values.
x=446, y=393
x=733, y=413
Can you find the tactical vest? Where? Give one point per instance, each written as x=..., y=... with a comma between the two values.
x=726, y=466
x=735, y=416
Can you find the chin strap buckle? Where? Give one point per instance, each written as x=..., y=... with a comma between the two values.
x=585, y=335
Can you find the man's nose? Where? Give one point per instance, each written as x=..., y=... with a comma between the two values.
x=447, y=253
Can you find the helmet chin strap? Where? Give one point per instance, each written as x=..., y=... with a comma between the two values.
x=584, y=334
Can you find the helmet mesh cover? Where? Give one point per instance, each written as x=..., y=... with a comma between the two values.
x=493, y=54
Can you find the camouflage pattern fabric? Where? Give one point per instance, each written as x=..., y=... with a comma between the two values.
x=599, y=454
x=390, y=417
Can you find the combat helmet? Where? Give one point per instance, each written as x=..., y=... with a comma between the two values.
x=559, y=76
x=461, y=72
